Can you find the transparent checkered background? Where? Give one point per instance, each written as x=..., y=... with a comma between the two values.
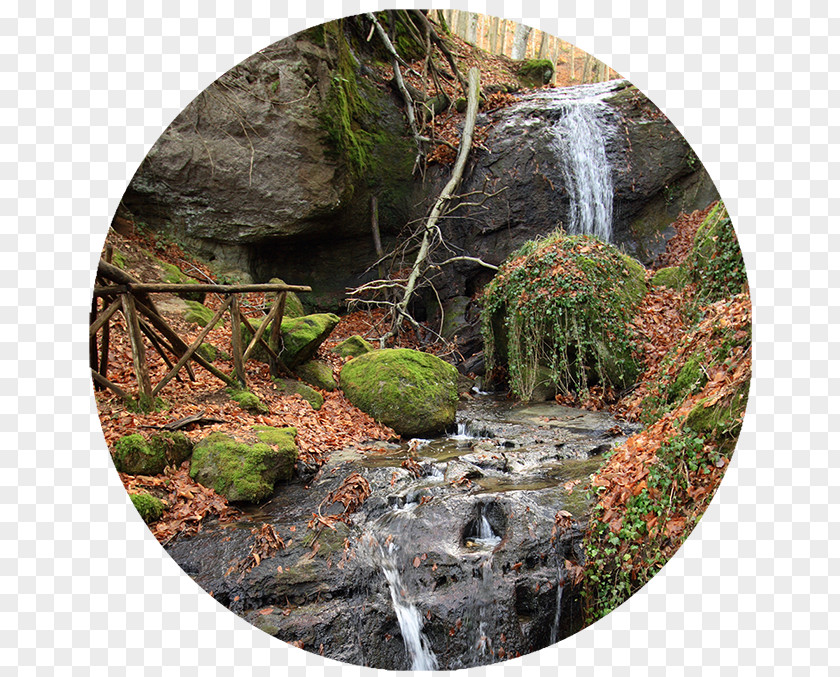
x=86, y=89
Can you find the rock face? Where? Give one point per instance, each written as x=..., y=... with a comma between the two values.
x=245, y=472
x=248, y=176
x=412, y=392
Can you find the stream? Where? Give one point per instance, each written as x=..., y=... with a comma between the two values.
x=451, y=562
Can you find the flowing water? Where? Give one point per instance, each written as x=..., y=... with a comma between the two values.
x=581, y=127
x=450, y=563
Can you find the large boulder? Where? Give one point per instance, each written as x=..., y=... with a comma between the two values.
x=240, y=471
x=557, y=314
x=412, y=392
x=353, y=347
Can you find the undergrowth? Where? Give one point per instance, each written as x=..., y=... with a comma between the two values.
x=558, y=310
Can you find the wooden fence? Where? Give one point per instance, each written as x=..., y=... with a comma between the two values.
x=117, y=291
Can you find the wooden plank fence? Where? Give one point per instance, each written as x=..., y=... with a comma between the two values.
x=120, y=292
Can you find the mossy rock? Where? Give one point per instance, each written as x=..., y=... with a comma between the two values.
x=353, y=347
x=318, y=374
x=150, y=508
x=722, y=419
x=673, y=277
x=118, y=259
x=208, y=351
x=454, y=316
x=133, y=455
x=199, y=314
x=172, y=274
x=248, y=401
x=412, y=392
x=715, y=261
x=536, y=72
x=690, y=379
x=300, y=337
x=175, y=446
x=564, y=303
x=293, y=306
x=289, y=386
x=244, y=472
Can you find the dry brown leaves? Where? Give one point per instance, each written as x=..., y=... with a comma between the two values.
x=188, y=503
x=266, y=542
x=680, y=244
x=352, y=492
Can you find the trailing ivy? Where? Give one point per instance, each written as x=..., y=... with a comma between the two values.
x=715, y=262
x=558, y=311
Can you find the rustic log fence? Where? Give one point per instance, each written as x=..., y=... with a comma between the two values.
x=119, y=291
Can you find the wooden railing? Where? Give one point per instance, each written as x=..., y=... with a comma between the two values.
x=120, y=292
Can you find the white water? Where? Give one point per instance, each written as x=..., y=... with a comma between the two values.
x=584, y=125
x=555, y=626
x=580, y=138
x=409, y=618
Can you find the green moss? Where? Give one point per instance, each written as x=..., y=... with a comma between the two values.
x=282, y=437
x=563, y=303
x=715, y=262
x=175, y=446
x=199, y=314
x=353, y=347
x=248, y=401
x=133, y=455
x=291, y=387
x=674, y=277
x=243, y=472
x=208, y=352
x=536, y=72
x=150, y=508
x=690, y=379
x=412, y=392
x=118, y=259
x=318, y=374
x=293, y=306
x=722, y=419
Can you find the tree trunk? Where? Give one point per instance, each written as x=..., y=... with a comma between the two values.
x=572, y=63
x=543, y=46
x=401, y=309
x=520, y=42
x=494, y=34
x=472, y=27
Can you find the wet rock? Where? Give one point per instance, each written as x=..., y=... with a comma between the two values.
x=412, y=392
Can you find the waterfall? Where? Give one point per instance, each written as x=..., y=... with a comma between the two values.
x=580, y=126
x=580, y=138
x=409, y=618
x=561, y=581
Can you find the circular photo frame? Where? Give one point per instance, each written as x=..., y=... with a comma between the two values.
x=421, y=339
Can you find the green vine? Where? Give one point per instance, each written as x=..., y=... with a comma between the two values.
x=558, y=310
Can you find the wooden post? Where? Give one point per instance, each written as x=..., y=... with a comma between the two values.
x=274, y=338
x=105, y=343
x=236, y=340
x=189, y=352
x=145, y=399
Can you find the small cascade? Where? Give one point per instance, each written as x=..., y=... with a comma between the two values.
x=465, y=431
x=409, y=618
x=561, y=581
x=486, y=535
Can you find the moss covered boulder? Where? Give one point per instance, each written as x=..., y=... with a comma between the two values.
x=715, y=263
x=198, y=314
x=150, y=508
x=176, y=447
x=562, y=306
x=288, y=386
x=353, y=347
x=293, y=307
x=300, y=337
x=248, y=401
x=412, y=392
x=245, y=472
x=536, y=72
x=134, y=455
x=318, y=374
x=673, y=277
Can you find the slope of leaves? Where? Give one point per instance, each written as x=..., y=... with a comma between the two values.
x=654, y=488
